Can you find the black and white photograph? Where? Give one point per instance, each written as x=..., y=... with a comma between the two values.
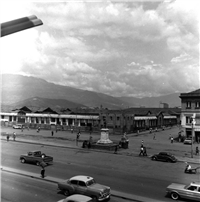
x=100, y=100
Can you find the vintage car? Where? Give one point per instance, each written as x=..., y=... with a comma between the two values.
x=36, y=157
x=77, y=198
x=191, y=191
x=18, y=126
x=84, y=185
x=164, y=156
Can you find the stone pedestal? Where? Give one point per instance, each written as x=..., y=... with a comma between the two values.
x=104, y=137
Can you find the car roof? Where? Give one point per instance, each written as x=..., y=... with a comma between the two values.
x=78, y=198
x=81, y=178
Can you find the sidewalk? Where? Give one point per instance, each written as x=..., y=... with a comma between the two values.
x=123, y=195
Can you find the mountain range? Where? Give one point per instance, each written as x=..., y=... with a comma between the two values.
x=18, y=90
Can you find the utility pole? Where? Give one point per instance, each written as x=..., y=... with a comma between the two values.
x=193, y=123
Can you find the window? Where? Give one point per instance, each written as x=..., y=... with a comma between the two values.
x=188, y=104
x=197, y=105
x=74, y=182
x=82, y=184
x=192, y=188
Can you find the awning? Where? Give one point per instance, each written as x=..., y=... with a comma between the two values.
x=170, y=117
x=144, y=117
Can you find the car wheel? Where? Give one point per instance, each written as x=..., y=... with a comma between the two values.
x=23, y=160
x=174, y=196
x=66, y=192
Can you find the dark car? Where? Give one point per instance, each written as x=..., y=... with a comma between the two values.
x=164, y=156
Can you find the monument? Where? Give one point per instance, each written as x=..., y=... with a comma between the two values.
x=104, y=137
x=104, y=143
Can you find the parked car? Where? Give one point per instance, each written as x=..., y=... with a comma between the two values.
x=36, y=157
x=85, y=185
x=191, y=191
x=77, y=198
x=188, y=141
x=164, y=156
x=18, y=126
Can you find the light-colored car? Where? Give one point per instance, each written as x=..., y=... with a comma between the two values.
x=85, y=185
x=188, y=141
x=191, y=191
x=77, y=198
x=18, y=126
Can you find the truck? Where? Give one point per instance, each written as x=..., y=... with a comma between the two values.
x=36, y=157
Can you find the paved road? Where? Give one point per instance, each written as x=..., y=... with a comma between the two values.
x=66, y=138
x=133, y=175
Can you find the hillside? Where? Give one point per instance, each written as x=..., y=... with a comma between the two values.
x=20, y=90
x=16, y=88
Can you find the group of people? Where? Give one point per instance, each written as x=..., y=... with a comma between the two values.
x=8, y=136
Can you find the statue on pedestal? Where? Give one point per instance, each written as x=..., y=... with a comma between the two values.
x=104, y=137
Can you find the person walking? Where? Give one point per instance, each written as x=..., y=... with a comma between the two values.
x=14, y=136
x=172, y=140
x=142, y=143
x=52, y=133
x=8, y=137
x=77, y=138
x=154, y=136
x=197, y=151
x=141, y=151
x=116, y=149
x=144, y=151
x=42, y=165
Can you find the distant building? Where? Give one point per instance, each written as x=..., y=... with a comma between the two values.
x=190, y=108
x=118, y=121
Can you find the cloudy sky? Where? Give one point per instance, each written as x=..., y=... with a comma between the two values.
x=120, y=48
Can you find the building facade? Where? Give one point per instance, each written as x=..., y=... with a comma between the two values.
x=118, y=121
x=190, y=114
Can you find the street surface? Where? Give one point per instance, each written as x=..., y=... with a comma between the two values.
x=25, y=189
x=125, y=172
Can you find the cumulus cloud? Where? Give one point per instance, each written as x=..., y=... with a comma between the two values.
x=117, y=48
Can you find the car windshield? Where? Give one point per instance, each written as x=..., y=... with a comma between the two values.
x=90, y=182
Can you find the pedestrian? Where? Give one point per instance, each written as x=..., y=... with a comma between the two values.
x=38, y=129
x=144, y=151
x=197, y=151
x=77, y=138
x=172, y=140
x=116, y=149
x=141, y=151
x=42, y=172
x=52, y=133
x=154, y=136
x=89, y=145
x=142, y=143
x=42, y=165
x=14, y=136
x=72, y=130
x=8, y=137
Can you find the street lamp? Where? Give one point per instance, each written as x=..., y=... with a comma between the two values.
x=20, y=24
